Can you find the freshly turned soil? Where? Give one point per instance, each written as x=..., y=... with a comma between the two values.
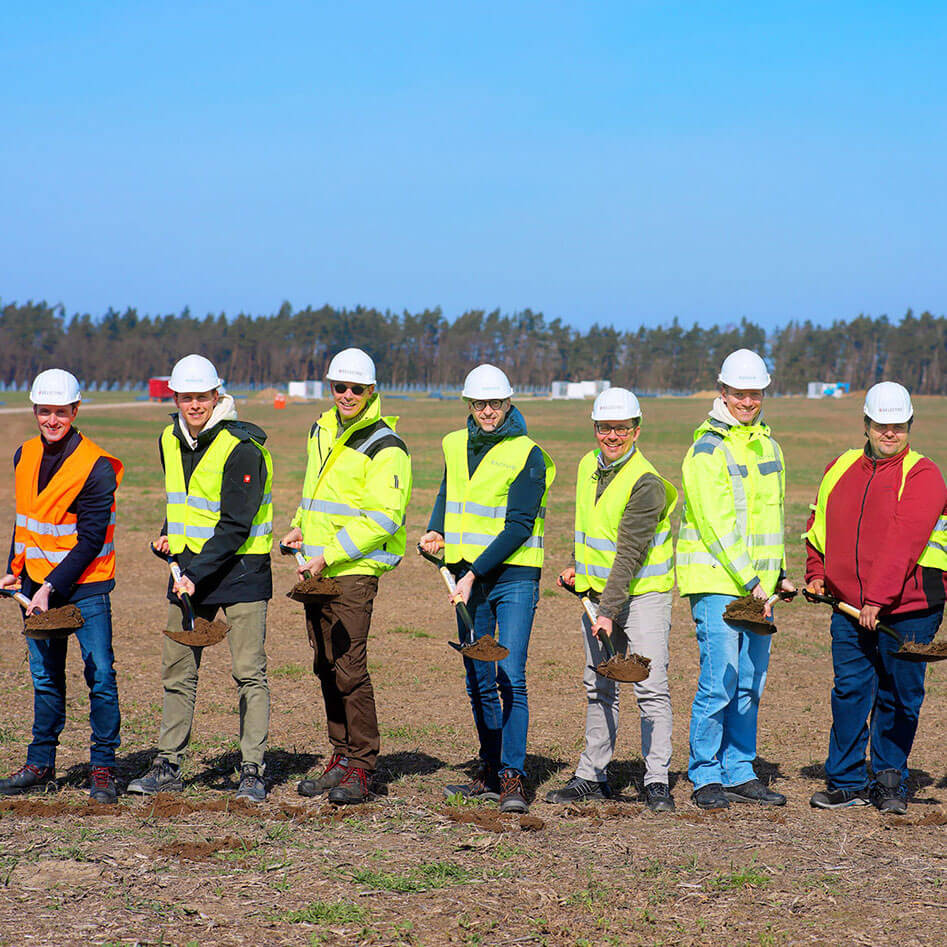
x=485, y=649
x=749, y=611
x=205, y=633
x=936, y=650
x=316, y=586
x=65, y=618
x=631, y=669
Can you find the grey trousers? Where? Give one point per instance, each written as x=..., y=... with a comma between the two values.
x=180, y=664
x=643, y=627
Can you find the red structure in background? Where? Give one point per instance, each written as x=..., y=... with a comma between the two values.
x=158, y=389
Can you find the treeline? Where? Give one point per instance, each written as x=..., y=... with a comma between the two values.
x=425, y=348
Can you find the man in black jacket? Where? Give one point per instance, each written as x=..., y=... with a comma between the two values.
x=218, y=478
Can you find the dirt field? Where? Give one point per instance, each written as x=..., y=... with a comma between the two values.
x=408, y=869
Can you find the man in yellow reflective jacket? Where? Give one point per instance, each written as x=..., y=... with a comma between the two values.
x=219, y=527
x=350, y=526
x=624, y=562
x=489, y=518
x=731, y=544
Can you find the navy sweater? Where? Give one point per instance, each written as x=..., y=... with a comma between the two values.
x=92, y=508
x=522, y=505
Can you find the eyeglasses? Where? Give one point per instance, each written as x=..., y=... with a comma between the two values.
x=618, y=430
x=495, y=403
x=340, y=388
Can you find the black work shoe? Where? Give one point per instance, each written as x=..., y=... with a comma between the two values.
x=163, y=776
x=838, y=798
x=580, y=790
x=512, y=796
x=710, y=796
x=102, y=786
x=331, y=776
x=659, y=797
x=753, y=790
x=484, y=786
x=352, y=789
x=252, y=788
x=29, y=778
x=888, y=794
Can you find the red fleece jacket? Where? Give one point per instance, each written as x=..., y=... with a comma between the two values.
x=873, y=540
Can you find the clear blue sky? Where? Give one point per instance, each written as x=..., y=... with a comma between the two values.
x=622, y=162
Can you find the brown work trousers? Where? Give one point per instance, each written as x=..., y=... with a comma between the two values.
x=338, y=634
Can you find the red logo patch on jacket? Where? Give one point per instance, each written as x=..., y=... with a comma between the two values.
x=246, y=478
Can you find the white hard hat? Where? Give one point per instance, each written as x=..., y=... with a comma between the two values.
x=352, y=365
x=616, y=404
x=486, y=382
x=889, y=403
x=744, y=369
x=55, y=386
x=194, y=373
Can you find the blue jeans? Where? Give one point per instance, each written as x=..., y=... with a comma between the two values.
x=48, y=667
x=733, y=666
x=871, y=684
x=498, y=691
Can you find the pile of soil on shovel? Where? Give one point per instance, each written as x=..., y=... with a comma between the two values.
x=315, y=586
x=65, y=618
x=205, y=633
x=485, y=649
x=630, y=670
x=936, y=649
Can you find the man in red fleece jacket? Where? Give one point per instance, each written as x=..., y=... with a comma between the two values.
x=877, y=539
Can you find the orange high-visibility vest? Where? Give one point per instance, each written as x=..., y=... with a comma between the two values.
x=45, y=531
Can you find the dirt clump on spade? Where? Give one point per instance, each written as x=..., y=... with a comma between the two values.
x=485, y=649
x=205, y=633
x=67, y=617
x=316, y=586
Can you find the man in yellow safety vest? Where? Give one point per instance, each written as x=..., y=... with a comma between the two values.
x=219, y=527
x=350, y=526
x=731, y=544
x=624, y=561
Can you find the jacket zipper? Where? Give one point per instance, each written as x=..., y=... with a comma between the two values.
x=858, y=529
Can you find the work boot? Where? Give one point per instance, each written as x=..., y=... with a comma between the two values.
x=710, y=796
x=484, y=786
x=753, y=790
x=512, y=795
x=163, y=776
x=838, y=798
x=659, y=797
x=353, y=789
x=252, y=788
x=102, y=786
x=331, y=776
x=888, y=794
x=580, y=790
x=29, y=778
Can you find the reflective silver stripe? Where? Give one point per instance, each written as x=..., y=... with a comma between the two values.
x=261, y=529
x=738, y=565
x=331, y=508
x=312, y=551
x=200, y=503
x=770, y=467
x=697, y=558
x=478, y=509
x=734, y=468
x=768, y=565
x=176, y=498
x=199, y=532
x=688, y=533
x=385, y=522
x=18, y=548
x=34, y=552
x=729, y=539
x=739, y=493
x=937, y=547
x=656, y=569
x=941, y=524
x=659, y=539
x=453, y=506
x=484, y=539
x=476, y=539
x=345, y=541
x=175, y=529
x=600, y=545
x=534, y=542
x=452, y=538
x=765, y=539
x=386, y=558
x=377, y=436
x=600, y=572
x=267, y=499
x=47, y=529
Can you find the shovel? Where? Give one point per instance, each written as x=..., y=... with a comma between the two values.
x=909, y=650
x=484, y=648
x=630, y=670
x=41, y=626
x=310, y=588
x=198, y=632
x=749, y=612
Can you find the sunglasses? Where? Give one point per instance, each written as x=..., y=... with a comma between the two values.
x=340, y=388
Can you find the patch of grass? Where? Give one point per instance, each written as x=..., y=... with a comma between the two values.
x=408, y=733
x=410, y=632
x=423, y=878
x=291, y=670
x=325, y=912
x=735, y=880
